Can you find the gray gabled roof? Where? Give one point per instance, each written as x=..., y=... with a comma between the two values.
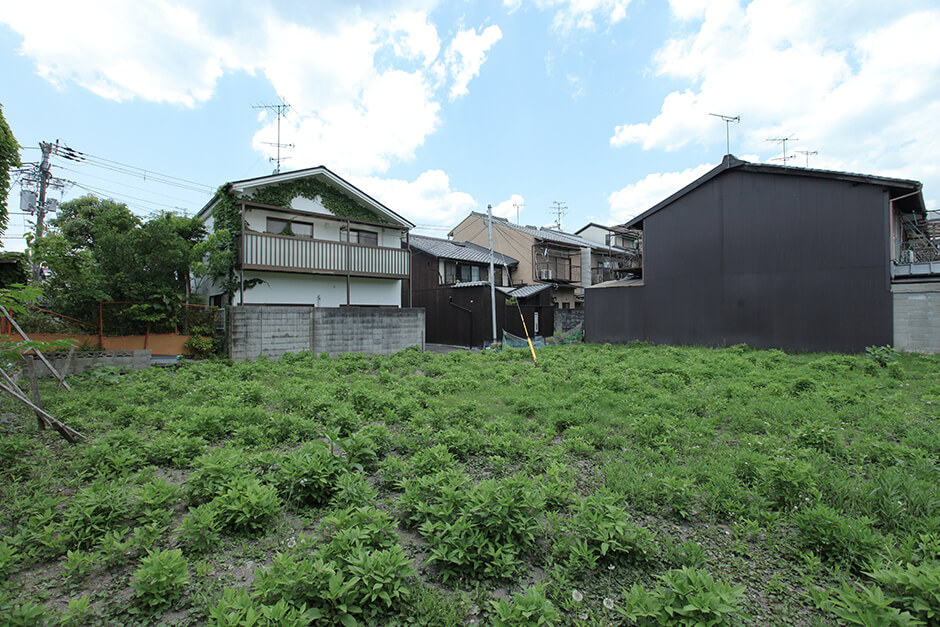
x=458, y=251
x=528, y=290
x=552, y=235
x=325, y=174
x=911, y=190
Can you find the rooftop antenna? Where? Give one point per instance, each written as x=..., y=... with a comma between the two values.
x=518, y=206
x=807, y=153
x=281, y=109
x=560, y=209
x=727, y=119
x=783, y=140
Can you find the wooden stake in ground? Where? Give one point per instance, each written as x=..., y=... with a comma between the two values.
x=34, y=388
x=64, y=430
x=38, y=352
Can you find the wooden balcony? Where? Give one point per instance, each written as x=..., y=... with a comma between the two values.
x=284, y=253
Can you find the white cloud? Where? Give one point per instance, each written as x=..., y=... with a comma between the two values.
x=637, y=197
x=577, y=14
x=428, y=201
x=466, y=54
x=861, y=88
x=511, y=208
x=365, y=86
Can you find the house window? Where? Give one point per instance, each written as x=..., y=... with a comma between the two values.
x=355, y=236
x=289, y=227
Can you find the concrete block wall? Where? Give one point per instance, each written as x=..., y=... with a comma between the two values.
x=80, y=362
x=567, y=319
x=373, y=330
x=269, y=330
x=273, y=330
x=917, y=317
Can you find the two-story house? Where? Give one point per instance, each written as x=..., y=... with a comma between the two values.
x=779, y=257
x=307, y=237
x=568, y=262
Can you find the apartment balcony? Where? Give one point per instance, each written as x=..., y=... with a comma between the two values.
x=917, y=259
x=284, y=253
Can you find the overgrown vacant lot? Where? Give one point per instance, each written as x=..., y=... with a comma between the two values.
x=608, y=485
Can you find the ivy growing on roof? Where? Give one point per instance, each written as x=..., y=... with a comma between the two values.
x=341, y=205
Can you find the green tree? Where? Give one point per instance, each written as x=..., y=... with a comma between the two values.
x=97, y=250
x=9, y=158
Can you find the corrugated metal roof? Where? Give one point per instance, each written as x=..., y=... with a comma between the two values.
x=551, y=235
x=528, y=290
x=471, y=284
x=458, y=251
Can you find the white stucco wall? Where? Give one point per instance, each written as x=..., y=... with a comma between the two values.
x=284, y=288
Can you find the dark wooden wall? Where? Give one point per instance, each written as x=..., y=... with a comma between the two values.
x=770, y=260
x=449, y=324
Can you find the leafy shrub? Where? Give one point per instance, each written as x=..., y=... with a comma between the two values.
x=213, y=472
x=352, y=488
x=307, y=475
x=790, y=483
x=172, y=449
x=529, y=608
x=200, y=529
x=236, y=608
x=95, y=510
x=480, y=529
x=913, y=588
x=689, y=596
x=161, y=577
x=601, y=530
x=858, y=605
x=881, y=355
x=837, y=538
x=247, y=507
x=9, y=558
x=78, y=564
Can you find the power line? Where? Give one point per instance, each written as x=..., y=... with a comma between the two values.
x=71, y=154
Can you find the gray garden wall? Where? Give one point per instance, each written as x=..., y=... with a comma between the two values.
x=917, y=317
x=567, y=319
x=273, y=330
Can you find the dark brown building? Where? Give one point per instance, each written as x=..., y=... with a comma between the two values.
x=773, y=257
x=450, y=281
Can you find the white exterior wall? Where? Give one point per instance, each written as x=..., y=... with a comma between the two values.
x=282, y=288
x=323, y=228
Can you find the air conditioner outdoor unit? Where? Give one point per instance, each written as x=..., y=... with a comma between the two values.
x=907, y=256
x=545, y=274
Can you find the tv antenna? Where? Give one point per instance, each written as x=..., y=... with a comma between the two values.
x=281, y=109
x=807, y=153
x=727, y=119
x=560, y=209
x=518, y=206
x=783, y=140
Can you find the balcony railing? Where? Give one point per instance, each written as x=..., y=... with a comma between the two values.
x=264, y=251
x=917, y=259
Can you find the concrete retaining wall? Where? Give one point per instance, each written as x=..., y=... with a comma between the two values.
x=567, y=319
x=273, y=330
x=917, y=317
x=80, y=362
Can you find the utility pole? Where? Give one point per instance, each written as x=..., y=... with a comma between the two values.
x=44, y=176
x=489, y=216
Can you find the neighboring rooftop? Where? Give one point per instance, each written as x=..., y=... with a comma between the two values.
x=913, y=200
x=552, y=235
x=458, y=251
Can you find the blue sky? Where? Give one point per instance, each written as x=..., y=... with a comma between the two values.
x=439, y=108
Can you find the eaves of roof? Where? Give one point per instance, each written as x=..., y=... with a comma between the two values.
x=551, y=235
x=458, y=251
x=322, y=171
x=899, y=187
